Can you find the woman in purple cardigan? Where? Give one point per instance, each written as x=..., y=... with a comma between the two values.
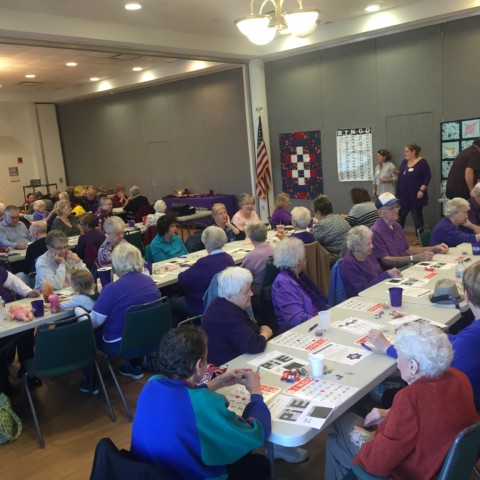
x=359, y=268
x=295, y=297
x=280, y=215
x=413, y=178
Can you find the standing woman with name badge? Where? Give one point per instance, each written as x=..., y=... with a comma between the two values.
x=413, y=178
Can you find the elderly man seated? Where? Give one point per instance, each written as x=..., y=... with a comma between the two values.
x=390, y=247
x=455, y=227
x=56, y=265
x=13, y=233
x=104, y=211
x=89, y=200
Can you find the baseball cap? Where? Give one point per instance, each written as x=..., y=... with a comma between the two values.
x=386, y=199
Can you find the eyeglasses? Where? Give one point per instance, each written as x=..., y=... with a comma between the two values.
x=392, y=207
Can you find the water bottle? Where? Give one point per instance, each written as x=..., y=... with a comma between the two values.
x=3, y=310
x=459, y=270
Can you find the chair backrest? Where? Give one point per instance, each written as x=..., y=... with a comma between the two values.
x=211, y=293
x=149, y=234
x=5, y=263
x=134, y=237
x=194, y=243
x=336, y=290
x=145, y=325
x=266, y=312
x=142, y=212
x=195, y=321
x=318, y=265
x=271, y=272
x=424, y=233
x=64, y=348
x=109, y=462
x=32, y=279
x=462, y=455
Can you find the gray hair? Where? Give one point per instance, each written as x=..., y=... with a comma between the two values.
x=256, y=231
x=454, y=206
x=112, y=224
x=160, y=206
x=213, y=238
x=134, y=190
x=39, y=226
x=475, y=190
x=288, y=253
x=103, y=200
x=246, y=198
x=301, y=217
x=61, y=205
x=56, y=235
x=63, y=196
x=127, y=258
x=232, y=280
x=427, y=345
x=37, y=204
x=356, y=236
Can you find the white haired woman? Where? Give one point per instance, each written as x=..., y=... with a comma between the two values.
x=295, y=297
x=109, y=311
x=135, y=201
x=159, y=207
x=359, y=268
x=65, y=221
x=197, y=278
x=114, y=228
x=301, y=218
x=256, y=260
x=229, y=329
x=421, y=424
x=455, y=227
x=246, y=213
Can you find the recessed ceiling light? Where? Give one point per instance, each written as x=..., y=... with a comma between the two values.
x=71, y=64
x=132, y=6
x=94, y=79
x=30, y=75
x=372, y=8
x=137, y=69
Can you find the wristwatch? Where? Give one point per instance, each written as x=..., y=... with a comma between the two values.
x=411, y=258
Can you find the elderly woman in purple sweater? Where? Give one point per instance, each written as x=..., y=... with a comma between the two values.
x=295, y=297
x=359, y=268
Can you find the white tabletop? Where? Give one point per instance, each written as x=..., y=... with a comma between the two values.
x=194, y=216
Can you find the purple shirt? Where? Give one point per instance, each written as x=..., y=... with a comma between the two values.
x=281, y=217
x=133, y=288
x=256, y=261
x=358, y=275
x=388, y=242
x=304, y=236
x=474, y=212
x=197, y=278
x=291, y=304
x=446, y=232
x=409, y=182
x=88, y=245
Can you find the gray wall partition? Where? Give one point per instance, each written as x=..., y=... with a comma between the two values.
x=401, y=85
x=190, y=133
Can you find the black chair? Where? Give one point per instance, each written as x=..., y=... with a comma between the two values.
x=145, y=325
x=59, y=351
x=111, y=463
x=134, y=237
x=194, y=243
x=194, y=321
x=424, y=234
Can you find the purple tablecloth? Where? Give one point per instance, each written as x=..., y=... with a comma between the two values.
x=205, y=202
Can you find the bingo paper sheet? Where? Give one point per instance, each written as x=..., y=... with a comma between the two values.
x=413, y=291
x=356, y=326
x=397, y=322
x=444, y=257
x=276, y=362
x=435, y=265
x=321, y=390
x=343, y=353
x=301, y=341
x=300, y=411
x=361, y=305
x=239, y=397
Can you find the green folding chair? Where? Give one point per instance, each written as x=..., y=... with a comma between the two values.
x=134, y=237
x=59, y=351
x=459, y=463
x=145, y=325
x=424, y=233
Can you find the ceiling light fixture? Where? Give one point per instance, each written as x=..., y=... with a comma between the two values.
x=132, y=6
x=94, y=79
x=372, y=8
x=261, y=29
x=137, y=69
x=71, y=64
x=30, y=75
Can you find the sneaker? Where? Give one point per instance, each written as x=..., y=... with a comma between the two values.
x=85, y=387
x=290, y=454
x=133, y=372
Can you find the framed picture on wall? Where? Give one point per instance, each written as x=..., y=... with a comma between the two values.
x=471, y=128
x=450, y=149
x=451, y=131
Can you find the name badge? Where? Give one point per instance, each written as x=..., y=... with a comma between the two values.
x=410, y=169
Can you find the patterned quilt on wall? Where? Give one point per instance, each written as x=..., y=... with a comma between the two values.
x=301, y=164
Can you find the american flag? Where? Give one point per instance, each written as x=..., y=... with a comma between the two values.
x=264, y=179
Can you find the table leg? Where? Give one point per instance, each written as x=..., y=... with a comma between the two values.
x=271, y=459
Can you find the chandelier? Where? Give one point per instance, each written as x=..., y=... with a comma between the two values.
x=261, y=29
